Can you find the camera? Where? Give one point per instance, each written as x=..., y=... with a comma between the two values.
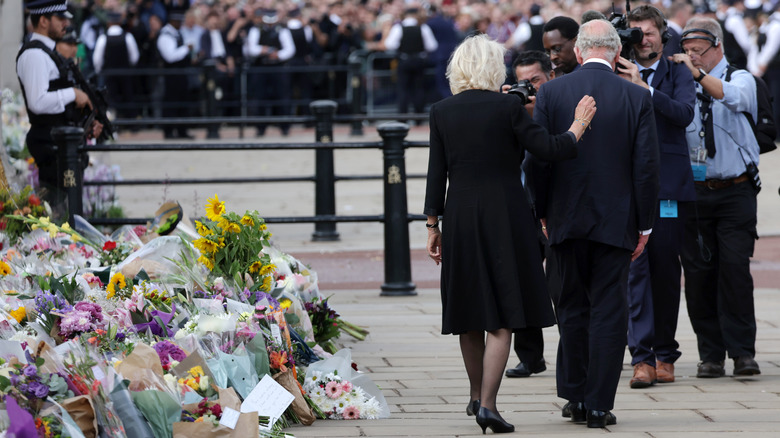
x=628, y=35
x=752, y=173
x=524, y=90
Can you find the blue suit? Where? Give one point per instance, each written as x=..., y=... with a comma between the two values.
x=595, y=206
x=654, y=277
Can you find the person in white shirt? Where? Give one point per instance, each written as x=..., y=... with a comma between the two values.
x=764, y=61
x=175, y=55
x=117, y=50
x=413, y=42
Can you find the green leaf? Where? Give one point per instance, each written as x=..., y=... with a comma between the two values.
x=5, y=382
x=39, y=361
x=141, y=276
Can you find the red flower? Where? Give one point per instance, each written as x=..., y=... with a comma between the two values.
x=216, y=410
x=33, y=200
x=110, y=245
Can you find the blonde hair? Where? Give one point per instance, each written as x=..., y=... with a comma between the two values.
x=477, y=63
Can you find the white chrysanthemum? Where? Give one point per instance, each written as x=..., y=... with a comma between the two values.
x=370, y=409
x=332, y=377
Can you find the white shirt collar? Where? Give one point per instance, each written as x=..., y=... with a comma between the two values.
x=599, y=60
x=409, y=21
x=50, y=43
x=654, y=66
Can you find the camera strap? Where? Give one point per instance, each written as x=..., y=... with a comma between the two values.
x=707, y=132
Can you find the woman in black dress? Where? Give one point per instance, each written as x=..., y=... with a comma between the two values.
x=492, y=279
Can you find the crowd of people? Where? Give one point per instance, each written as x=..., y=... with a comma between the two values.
x=265, y=34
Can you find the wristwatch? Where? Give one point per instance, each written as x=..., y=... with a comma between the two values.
x=702, y=74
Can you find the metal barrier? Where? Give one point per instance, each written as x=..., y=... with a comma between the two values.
x=396, y=216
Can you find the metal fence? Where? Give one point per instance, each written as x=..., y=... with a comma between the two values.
x=396, y=217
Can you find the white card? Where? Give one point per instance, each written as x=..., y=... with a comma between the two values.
x=276, y=333
x=269, y=399
x=10, y=349
x=238, y=307
x=229, y=417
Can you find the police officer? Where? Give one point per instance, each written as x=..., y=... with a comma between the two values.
x=175, y=54
x=413, y=41
x=49, y=94
x=117, y=49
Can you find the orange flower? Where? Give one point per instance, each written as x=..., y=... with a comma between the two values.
x=279, y=360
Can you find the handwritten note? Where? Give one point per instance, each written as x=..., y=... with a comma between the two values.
x=229, y=417
x=269, y=399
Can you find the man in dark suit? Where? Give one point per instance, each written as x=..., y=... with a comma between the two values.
x=598, y=211
x=654, y=277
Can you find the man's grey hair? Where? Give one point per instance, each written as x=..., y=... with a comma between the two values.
x=708, y=24
x=598, y=34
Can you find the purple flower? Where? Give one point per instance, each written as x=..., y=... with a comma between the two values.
x=15, y=379
x=120, y=336
x=154, y=325
x=199, y=294
x=76, y=321
x=46, y=302
x=95, y=311
x=38, y=389
x=167, y=351
x=30, y=371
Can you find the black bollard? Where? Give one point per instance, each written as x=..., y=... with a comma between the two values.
x=357, y=97
x=398, y=265
x=70, y=143
x=325, y=180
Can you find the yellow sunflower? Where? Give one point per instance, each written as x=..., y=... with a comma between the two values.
x=5, y=269
x=205, y=245
x=209, y=263
x=255, y=267
x=248, y=221
x=266, y=283
x=228, y=226
x=215, y=208
x=117, y=282
x=19, y=314
x=202, y=229
x=285, y=303
x=267, y=269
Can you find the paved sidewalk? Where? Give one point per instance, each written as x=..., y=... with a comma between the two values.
x=422, y=376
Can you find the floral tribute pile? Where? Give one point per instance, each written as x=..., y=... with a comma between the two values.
x=140, y=335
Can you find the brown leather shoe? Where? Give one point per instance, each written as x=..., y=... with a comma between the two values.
x=664, y=372
x=644, y=376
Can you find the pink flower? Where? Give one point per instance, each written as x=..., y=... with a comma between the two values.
x=346, y=386
x=333, y=390
x=122, y=316
x=351, y=413
x=135, y=303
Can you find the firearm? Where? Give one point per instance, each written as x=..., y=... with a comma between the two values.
x=99, y=104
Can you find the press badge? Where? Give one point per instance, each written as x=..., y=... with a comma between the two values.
x=699, y=172
x=668, y=208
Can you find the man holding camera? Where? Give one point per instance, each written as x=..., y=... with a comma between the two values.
x=534, y=67
x=721, y=231
x=654, y=277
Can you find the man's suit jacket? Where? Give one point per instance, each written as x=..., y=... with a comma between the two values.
x=674, y=99
x=609, y=192
x=673, y=45
x=205, y=45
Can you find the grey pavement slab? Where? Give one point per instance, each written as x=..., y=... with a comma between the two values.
x=423, y=379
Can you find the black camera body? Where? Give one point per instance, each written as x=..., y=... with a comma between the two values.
x=628, y=35
x=524, y=90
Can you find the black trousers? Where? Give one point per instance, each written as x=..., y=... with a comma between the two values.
x=411, y=86
x=592, y=319
x=654, y=293
x=718, y=284
x=175, y=102
x=43, y=150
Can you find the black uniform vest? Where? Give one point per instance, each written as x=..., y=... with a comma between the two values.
x=411, y=40
x=269, y=36
x=731, y=48
x=184, y=62
x=63, y=81
x=116, y=55
x=302, y=47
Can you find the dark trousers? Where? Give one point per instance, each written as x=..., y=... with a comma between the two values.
x=529, y=342
x=654, y=294
x=592, y=318
x=271, y=93
x=411, y=89
x=718, y=284
x=50, y=178
x=772, y=78
x=120, y=95
x=175, y=102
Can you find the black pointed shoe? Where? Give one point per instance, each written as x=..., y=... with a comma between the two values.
x=487, y=418
x=524, y=370
x=472, y=408
x=576, y=411
x=600, y=419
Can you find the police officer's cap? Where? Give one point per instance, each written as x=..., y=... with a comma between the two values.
x=114, y=17
x=43, y=7
x=177, y=14
x=270, y=16
x=411, y=11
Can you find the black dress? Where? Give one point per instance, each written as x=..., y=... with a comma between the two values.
x=492, y=273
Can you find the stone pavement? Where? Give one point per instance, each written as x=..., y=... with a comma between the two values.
x=420, y=371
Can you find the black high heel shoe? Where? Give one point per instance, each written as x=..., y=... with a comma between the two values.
x=472, y=408
x=487, y=418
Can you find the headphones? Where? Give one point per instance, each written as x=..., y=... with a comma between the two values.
x=665, y=34
x=714, y=40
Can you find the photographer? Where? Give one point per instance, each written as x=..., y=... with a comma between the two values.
x=720, y=236
x=535, y=68
x=654, y=277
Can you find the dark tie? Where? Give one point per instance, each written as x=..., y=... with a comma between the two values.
x=646, y=74
x=706, y=119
